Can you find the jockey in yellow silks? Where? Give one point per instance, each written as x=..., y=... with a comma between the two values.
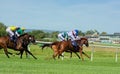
x=11, y=31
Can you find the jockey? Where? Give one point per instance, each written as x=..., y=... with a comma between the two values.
x=19, y=31
x=63, y=36
x=73, y=35
x=11, y=31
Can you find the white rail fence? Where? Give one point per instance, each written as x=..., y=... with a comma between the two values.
x=42, y=42
x=115, y=47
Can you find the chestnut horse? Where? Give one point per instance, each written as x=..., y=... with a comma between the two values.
x=60, y=47
x=21, y=44
x=80, y=42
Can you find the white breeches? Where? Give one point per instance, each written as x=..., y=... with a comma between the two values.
x=11, y=33
x=60, y=37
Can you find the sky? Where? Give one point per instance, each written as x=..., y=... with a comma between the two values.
x=62, y=15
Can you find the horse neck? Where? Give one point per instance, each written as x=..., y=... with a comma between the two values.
x=23, y=39
x=24, y=36
x=81, y=42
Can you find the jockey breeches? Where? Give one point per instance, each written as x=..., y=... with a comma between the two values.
x=11, y=33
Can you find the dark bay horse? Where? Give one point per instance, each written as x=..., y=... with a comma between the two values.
x=60, y=47
x=21, y=44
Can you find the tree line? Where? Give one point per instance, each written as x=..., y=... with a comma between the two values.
x=47, y=36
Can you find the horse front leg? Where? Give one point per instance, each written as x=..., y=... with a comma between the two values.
x=86, y=55
x=80, y=50
x=21, y=53
x=30, y=53
x=77, y=55
x=70, y=54
x=27, y=55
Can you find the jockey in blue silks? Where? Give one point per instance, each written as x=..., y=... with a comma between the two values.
x=73, y=35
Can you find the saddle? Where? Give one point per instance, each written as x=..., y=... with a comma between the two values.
x=75, y=45
x=13, y=39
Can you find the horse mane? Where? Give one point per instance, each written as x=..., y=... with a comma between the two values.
x=84, y=38
x=23, y=35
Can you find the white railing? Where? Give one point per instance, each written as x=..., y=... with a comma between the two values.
x=116, y=51
x=43, y=42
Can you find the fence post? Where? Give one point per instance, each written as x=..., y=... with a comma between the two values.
x=92, y=51
x=28, y=55
x=116, y=55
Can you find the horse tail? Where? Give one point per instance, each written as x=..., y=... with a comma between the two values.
x=45, y=45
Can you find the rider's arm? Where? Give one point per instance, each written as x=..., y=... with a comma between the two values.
x=17, y=33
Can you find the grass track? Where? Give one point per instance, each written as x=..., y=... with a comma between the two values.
x=45, y=65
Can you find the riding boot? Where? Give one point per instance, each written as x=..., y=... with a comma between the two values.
x=11, y=38
x=76, y=47
x=15, y=44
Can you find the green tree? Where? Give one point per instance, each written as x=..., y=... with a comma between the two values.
x=81, y=33
x=39, y=34
x=103, y=33
x=2, y=29
x=54, y=35
x=91, y=32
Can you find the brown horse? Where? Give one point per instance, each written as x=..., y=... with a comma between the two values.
x=80, y=42
x=60, y=47
x=21, y=44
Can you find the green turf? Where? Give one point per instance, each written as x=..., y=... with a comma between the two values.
x=102, y=64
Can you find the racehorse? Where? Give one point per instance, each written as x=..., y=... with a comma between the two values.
x=60, y=47
x=80, y=42
x=20, y=45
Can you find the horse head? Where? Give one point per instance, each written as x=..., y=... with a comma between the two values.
x=32, y=39
x=82, y=41
x=85, y=41
x=27, y=38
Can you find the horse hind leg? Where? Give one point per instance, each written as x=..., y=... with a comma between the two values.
x=70, y=54
x=10, y=53
x=6, y=52
x=55, y=54
x=21, y=53
x=61, y=55
x=81, y=54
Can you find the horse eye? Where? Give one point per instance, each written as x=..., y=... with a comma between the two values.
x=30, y=38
